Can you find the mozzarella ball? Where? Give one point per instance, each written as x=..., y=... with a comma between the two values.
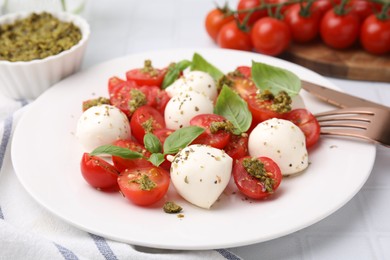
x=182, y=108
x=283, y=142
x=197, y=81
x=101, y=125
x=201, y=173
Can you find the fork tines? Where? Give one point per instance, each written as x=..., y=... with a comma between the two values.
x=362, y=122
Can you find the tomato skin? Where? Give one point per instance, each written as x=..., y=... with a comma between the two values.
x=132, y=191
x=339, y=31
x=98, y=173
x=214, y=21
x=322, y=6
x=242, y=83
x=156, y=97
x=237, y=147
x=252, y=187
x=270, y=36
x=122, y=164
x=231, y=37
x=375, y=35
x=259, y=110
x=303, y=28
x=256, y=15
x=217, y=140
x=114, y=82
x=140, y=116
x=145, y=79
x=307, y=123
x=120, y=95
x=361, y=8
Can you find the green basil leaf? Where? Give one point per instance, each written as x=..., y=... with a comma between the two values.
x=156, y=159
x=181, y=138
x=275, y=79
x=152, y=143
x=199, y=63
x=116, y=151
x=230, y=105
x=174, y=72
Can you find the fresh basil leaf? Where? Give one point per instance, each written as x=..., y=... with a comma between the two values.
x=231, y=106
x=152, y=143
x=275, y=79
x=116, y=151
x=174, y=71
x=156, y=159
x=199, y=63
x=181, y=138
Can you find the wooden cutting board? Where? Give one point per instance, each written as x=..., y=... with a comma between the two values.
x=354, y=63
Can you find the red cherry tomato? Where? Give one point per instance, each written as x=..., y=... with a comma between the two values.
x=121, y=95
x=242, y=83
x=260, y=109
x=361, y=8
x=322, y=6
x=145, y=119
x=219, y=139
x=156, y=97
x=304, y=26
x=144, y=186
x=215, y=19
x=115, y=82
x=237, y=147
x=307, y=123
x=270, y=36
x=253, y=187
x=339, y=31
x=122, y=164
x=146, y=78
x=375, y=35
x=98, y=173
x=247, y=4
x=231, y=37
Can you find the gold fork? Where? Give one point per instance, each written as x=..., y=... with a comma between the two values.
x=367, y=123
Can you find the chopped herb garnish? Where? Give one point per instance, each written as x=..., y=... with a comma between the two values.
x=256, y=169
x=171, y=207
x=145, y=183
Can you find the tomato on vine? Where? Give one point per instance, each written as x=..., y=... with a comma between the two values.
x=375, y=35
x=339, y=29
x=303, y=21
x=270, y=36
x=215, y=19
x=233, y=37
x=255, y=15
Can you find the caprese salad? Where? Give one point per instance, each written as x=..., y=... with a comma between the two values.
x=194, y=127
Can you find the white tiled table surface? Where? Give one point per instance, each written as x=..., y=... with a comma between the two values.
x=359, y=230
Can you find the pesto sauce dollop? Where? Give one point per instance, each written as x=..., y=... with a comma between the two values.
x=36, y=37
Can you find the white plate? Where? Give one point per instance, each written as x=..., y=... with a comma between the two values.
x=46, y=158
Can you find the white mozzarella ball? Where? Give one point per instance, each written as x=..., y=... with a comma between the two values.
x=283, y=142
x=197, y=81
x=201, y=173
x=101, y=125
x=182, y=108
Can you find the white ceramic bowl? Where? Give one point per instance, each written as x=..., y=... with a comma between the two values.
x=29, y=79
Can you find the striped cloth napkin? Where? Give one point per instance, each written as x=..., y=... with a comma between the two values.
x=28, y=231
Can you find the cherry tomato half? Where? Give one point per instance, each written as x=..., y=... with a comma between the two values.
x=122, y=164
x=217, y=140
x=253, y=187
x=307, y=123
x=98, y=173
x=144, y=186
x=270, y=36
x=237, y=147
x=145, y=119
x=144, y=77
x=260, y=109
